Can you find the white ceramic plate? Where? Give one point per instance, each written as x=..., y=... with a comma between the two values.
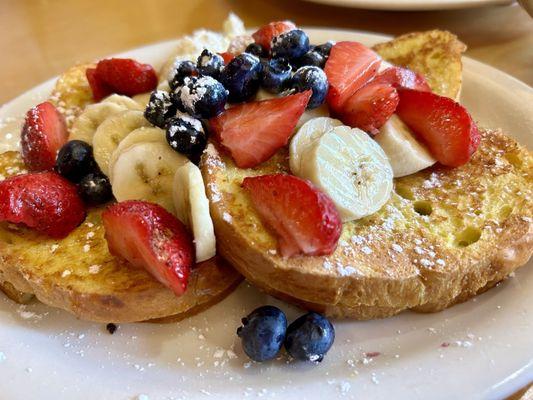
x=413, y=4
x=48, y=354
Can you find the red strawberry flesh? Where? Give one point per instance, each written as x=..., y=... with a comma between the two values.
x=149, y=237
x=266, y=33
x=126, y=76
x=400, y=77
x=99, y=88
x=304, y=219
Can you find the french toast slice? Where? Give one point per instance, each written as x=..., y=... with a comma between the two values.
x=445, y=234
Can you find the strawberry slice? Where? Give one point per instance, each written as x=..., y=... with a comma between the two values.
x=126, y=76
x=400, y=77
x=253, y=132
x=43, y=134
x=99, y=88
x=44, y=201
x=370, y=107
x=148, y=236
x=227, y=56
x=349, y=67
x=266, y=33
x=444, y=125
x=304, y=219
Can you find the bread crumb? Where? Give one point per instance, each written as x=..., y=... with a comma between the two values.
x=66, y=273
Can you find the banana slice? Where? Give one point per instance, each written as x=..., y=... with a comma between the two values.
x=192, y=208
x=142, y=99
x=352, y=169
x=111, y=132
x=406, y=154
x=124, y=101
x=304, y=139
x=85, y=125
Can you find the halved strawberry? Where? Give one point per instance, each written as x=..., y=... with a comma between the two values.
x=370, y=107
x=349, y=67
x=43, y=134
x=99, y=88
x=304, y=219
x=148, y=236
x=253, y=132
x=266, y=33
x=444, y=125
x=400, y=77
x=126, y=76
x=44, y=201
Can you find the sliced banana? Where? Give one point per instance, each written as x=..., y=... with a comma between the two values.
x=85, y=125
x=142, y=99
x=111, y=132
x=406, y=154
x=192, y=208
x=352, y=169
x=304, y=139
x=125, y=101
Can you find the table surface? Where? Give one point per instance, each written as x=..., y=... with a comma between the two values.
x=41, y=38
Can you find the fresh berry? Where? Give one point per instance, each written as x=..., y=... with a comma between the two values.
x=201, y=97
x=370, y=107
x=242, y=77
x=311, y=78
x=99, y=88
x=186, y=135
x=75, y=160
x=304, y=219
x=400, y=77
x=256, y=49
x=253, y=132
x=210, y=64
x=291, y=45
x=349, y=67
x=262, y=333
x=309, y=337
x=160, y=108
x=266, y=33
x=276, y=75
x=324, y=49
x=227, y=56
x=43, y=201
x=43, y=134
x=148, y=236
x=94, y=189
x=444, y=125
x=181, y=70
x=126, y=76
x=312, y=58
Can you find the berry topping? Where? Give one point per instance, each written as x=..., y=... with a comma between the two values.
x=313, y=58
x=324, y=49
x=43, y=134
x=210, y=64
x=262, y=333
x=442, y=124
x=160, y=108
x=202, y=97
x=126, y=76
x=179, y=71
x=242, y=77
x=304, y=219
x=94, y=189
x=98, y=87
x=266, y=33
x=400, y=77
x=256, y=49
x=276, y=75
x=349, y=67
x=75, y=160
x=253, y=132
x=370, y=107
x=148, y=236
x=291, y=45
x=227, y=56
x=309, y=337
x=43, y=201
x=311, y=78
x=186, y=135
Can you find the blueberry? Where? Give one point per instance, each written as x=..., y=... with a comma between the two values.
x=276, y=74
x=95, y=189
x=262, y=333
x=312, y=58
x=313, y=78
x=186, y=135
x=160, y=108
x=210, y=64
x=309, y=337
x=201, y=97
x=256, y=49
x=292, y=44
x=75, y=160
x=242, y=77
x=180, y=70
x=324, y=49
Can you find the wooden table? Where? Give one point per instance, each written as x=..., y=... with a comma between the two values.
x=42, y=38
